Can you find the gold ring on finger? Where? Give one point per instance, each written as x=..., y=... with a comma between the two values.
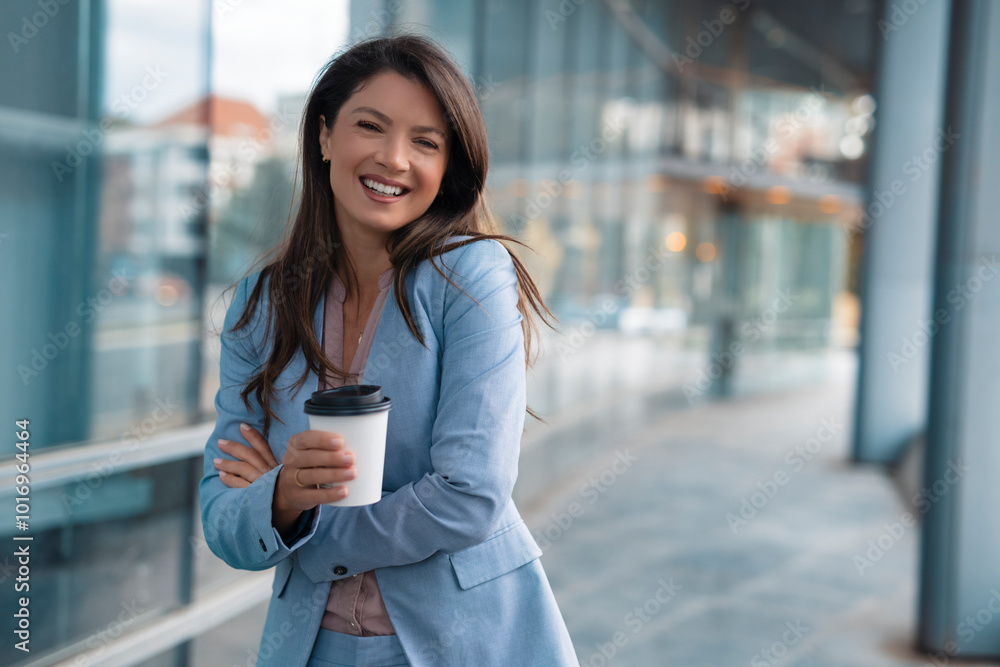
x=296, y=478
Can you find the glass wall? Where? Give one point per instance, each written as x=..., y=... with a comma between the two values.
x=104, y=149
x=669, y=154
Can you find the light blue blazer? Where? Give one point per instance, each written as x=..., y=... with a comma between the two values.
x=456, y=565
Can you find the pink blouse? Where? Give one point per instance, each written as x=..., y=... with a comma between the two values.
x=355, y=604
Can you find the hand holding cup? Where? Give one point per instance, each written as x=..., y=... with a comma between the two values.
x=360, y=415
x=313, y=458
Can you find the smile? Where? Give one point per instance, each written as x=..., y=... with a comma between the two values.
x=386, y=191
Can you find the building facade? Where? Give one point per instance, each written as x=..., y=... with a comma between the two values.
x=689, y=175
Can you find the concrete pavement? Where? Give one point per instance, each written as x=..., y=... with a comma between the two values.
x=735, y=533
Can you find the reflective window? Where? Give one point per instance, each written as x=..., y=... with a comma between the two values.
x=105, y=188
x=103, y=151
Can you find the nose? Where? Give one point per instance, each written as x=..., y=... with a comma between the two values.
x=392, y=154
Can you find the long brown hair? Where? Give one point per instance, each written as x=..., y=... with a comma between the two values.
x=304, y=263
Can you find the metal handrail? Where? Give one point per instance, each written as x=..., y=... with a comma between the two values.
x=72, y=463
x=133, y=647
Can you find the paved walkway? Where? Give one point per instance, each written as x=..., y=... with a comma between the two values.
x=726, y=535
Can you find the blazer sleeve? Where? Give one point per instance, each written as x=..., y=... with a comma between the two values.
x=475, y=439
x=237, y=522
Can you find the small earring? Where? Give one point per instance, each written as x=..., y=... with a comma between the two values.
x=326, y=159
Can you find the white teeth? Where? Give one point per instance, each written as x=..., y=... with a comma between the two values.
x=390, y=190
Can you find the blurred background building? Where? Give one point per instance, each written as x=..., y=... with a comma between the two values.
x=714, y=192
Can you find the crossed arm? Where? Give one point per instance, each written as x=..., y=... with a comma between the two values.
x=474, y=448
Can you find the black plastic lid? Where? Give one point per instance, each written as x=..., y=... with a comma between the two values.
x=353, y=399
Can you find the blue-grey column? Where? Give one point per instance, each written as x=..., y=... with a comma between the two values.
x=733, y=231
x=898, y=230
x=960, y=577
x=50, y=185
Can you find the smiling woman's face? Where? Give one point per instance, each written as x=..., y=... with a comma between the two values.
x=388, y=153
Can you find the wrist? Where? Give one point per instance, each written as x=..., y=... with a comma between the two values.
x=283, y=515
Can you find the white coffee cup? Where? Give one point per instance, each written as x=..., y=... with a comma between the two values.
x=360, y=415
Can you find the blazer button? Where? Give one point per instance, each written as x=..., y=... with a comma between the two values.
x=340, y=570
x=262, y=545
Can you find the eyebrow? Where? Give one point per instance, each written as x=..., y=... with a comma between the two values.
x=388, y=121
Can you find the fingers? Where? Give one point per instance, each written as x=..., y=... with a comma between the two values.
x=314, y=476
x=247, y=454
x=259, y=444
x=313, y=496
x=319, y=459
x=321, y=440
x=237, y=468
x=233, y=481
x=310, y=496
x=317, y=449
x=289, y=495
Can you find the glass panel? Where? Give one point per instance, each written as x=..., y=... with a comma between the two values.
x=103, y=149
x=547, y=89
x=109, y=553
x=151, y=223
x=505, y=49
x=100, y=189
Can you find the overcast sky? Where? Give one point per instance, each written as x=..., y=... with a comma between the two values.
x=265, y=48
x=260, y=49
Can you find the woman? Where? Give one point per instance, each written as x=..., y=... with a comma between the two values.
x=389, y=277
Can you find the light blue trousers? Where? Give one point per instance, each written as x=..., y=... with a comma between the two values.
x=336, y=649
